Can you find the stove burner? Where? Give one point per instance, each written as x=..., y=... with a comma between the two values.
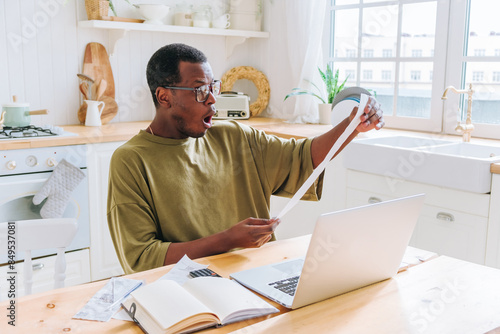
x=29, y=131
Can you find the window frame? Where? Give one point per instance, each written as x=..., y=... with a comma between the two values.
x=447, y=56
x=458, y=23
x=394, y=121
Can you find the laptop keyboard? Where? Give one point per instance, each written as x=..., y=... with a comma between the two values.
x=287, y=285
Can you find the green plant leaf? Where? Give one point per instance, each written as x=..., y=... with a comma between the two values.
x=112, y=7
x=331, y=81
x=304, y=92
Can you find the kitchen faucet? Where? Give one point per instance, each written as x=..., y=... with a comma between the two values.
x=464, y=129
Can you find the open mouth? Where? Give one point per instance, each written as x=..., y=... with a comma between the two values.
x=208, y=121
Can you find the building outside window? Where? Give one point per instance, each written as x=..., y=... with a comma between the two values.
x=368, y=53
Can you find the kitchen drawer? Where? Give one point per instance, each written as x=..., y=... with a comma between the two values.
x=451, y=233
x=77, y=272
x=440, y=230
x=386, y=187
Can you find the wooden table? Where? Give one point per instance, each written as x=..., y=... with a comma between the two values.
x=442, y=295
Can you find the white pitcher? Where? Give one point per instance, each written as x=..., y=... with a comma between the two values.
x=93, y=117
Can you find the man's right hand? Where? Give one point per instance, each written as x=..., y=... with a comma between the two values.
x=249, y=233
x=252, y=232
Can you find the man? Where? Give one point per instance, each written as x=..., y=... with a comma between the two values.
x=188, y=186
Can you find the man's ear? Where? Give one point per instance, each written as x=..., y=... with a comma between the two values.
x=163, y=97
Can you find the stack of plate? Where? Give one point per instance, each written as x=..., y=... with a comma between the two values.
x=345, y=101
x=246, y=14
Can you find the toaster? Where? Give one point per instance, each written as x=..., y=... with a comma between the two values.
x=232, y=105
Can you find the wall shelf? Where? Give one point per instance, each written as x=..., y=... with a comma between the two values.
x=118, y=30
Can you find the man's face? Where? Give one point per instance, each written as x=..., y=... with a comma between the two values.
x=189, y=117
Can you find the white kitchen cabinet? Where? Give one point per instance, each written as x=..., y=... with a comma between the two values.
x=77, y=272
x=493, y=243
x=452, y=222
x=103, y=259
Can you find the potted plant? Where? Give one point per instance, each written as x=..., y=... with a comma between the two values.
x=331, y=82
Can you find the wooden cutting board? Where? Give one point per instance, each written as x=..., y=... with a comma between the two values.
x=108, y=113
x=96, y=65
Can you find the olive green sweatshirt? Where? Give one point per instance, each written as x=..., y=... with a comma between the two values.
x=164, y=190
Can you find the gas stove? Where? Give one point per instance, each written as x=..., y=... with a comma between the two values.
x=31, y=131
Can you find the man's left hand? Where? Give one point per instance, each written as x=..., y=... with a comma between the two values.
x=372, y=118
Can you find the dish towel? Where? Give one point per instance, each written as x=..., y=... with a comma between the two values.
x=57, y=189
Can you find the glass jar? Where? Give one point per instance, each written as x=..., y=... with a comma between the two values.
x=183, y=15
x=202, y=16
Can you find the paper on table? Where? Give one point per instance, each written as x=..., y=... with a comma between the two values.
x=318, y=170
x=180, y=272
x=106, y=301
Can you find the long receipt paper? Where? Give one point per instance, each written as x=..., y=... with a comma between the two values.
x=321, y=167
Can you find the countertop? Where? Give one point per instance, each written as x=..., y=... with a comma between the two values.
x=113, y=132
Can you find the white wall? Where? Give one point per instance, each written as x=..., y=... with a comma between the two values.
x=41, y=51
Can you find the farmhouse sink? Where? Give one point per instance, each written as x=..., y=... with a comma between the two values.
x=451, y=164
x=405, y=141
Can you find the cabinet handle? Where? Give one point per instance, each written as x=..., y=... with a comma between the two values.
x=448, y=217
x=38, y=266
x=374, y=199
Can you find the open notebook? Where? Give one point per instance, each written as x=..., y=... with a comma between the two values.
x=165, y=306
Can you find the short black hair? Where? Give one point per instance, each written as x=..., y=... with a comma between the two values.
x=163, y=67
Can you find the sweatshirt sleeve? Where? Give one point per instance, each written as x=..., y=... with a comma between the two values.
x=284, y=163
x=132, y=224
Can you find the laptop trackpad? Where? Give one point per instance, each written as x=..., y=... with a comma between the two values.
x=293, y=267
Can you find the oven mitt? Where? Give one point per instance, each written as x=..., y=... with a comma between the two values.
x=57, y=189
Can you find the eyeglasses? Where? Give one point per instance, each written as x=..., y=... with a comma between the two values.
x=202, y=92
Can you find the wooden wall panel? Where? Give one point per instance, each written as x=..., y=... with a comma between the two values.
x=41, y=51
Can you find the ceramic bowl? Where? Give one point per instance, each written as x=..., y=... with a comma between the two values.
x=154, y=14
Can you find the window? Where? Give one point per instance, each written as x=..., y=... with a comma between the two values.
x=415, y=76
x=479, y=52
x=350, y=53
x=395, y=30
x=457, y=45
x=477, y=76
x=496, y=77
x=386, y=75
x=474, y=60
x=368, y=53
x=350, y=75
x=367, y=75
x=416, y=53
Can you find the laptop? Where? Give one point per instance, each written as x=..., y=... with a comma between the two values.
x=349, y=249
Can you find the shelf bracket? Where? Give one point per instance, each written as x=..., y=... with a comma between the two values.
x=231, y=42
x=114, y=36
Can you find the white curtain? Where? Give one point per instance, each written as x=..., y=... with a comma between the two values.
x=304, y=33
